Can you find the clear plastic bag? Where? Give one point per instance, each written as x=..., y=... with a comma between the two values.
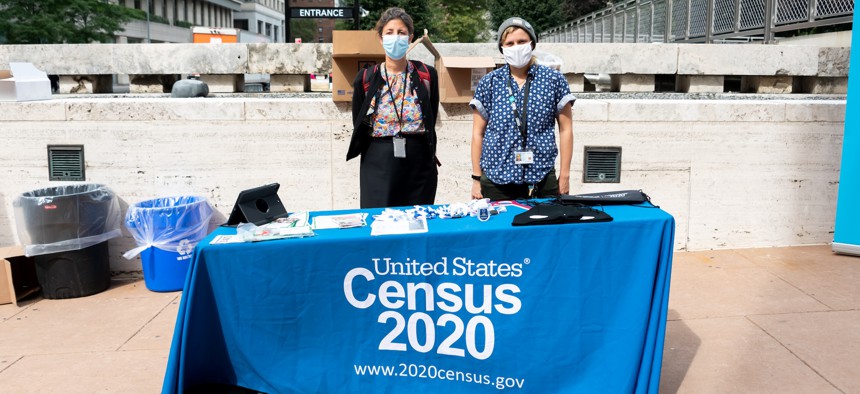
x=65, y=218
x=168, y=223
x=548, y=59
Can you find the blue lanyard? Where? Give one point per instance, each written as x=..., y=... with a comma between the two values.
x=521, y=119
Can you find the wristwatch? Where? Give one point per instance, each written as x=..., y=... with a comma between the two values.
x=476, y=177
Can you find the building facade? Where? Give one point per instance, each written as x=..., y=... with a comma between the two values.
x=171, y=20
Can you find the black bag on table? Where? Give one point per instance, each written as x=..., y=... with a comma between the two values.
x=620, y=197
x=559, y=214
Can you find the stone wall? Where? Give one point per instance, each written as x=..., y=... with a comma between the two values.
x=763, y=68
x=733, y=173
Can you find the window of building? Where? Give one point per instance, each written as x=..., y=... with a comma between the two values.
x=164, y=8
x=259, y=27
x=241, y=24
x=137, y=5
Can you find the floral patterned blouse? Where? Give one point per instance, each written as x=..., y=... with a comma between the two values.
x=403, y=113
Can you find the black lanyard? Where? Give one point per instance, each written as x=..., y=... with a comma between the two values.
x=520, y=119
x=402, y=100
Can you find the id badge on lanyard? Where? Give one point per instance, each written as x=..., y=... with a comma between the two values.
x=524, y=155
x=399, y=147
x=398, y=140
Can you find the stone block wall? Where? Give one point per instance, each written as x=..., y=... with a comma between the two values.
x=633, y=67
x=733, y=173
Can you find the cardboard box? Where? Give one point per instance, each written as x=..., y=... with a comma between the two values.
x=17, y=275
x=351, y=51
x=24, y=82
x=458, y=77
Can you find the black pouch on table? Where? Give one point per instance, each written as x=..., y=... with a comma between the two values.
x=620, y=197
x=560, y=214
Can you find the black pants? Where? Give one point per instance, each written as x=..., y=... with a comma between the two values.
x=547, y=187
x=387, y=181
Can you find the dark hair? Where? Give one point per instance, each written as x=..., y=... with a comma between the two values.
x=391, y=14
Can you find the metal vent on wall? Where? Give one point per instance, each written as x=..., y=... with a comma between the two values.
x=602, y=165
x=66, y=163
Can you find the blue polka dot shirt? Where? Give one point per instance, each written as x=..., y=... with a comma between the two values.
x=548, y=94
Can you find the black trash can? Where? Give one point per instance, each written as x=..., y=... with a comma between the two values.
x=74, y=273
x=66, y=229
x=63, y=213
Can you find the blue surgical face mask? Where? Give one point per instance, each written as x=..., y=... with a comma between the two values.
x=395, y=45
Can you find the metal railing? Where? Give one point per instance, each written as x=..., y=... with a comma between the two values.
x=700, y=20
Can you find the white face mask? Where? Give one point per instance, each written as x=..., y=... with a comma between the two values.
x=518, y=55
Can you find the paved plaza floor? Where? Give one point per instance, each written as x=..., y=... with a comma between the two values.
x=771, y=320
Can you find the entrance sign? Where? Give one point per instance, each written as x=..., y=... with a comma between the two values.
x=329, y=12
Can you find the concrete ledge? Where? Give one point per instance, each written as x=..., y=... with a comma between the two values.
x=615, y=58
x=767, y=84
x=734, y=173
x=289, y=83
x=700, y=83
x=697, y=111
x=724, y=59
x=289, y=58
x=646, y=59
x=224, y=83
x=632, y=83
x=156, y=109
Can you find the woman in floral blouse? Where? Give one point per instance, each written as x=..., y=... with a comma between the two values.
x=394, y=117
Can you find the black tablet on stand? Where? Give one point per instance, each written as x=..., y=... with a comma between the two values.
x=259, y=205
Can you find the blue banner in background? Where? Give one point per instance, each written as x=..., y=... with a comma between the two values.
x=846, y=238
x=468, y=307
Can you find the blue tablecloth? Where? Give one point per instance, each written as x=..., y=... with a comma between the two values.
x=469, y=306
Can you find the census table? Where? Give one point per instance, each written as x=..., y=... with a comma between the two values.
x=467, y=307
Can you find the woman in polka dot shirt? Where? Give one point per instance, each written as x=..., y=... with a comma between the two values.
x=515, y=110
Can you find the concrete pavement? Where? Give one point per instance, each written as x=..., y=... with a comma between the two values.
x=771, y=320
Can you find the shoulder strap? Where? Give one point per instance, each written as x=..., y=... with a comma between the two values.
x=365, y=80
x=423, y=74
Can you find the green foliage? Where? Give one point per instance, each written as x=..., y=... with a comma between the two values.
x=304, y=29
x=444, y=20
x=159, y=19
x=542, y=15
x=61, y=21
x=462, y=21
x=421, y=12
x=573, y=10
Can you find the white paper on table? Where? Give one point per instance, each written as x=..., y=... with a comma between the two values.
x=387, y=227
x=339, y=221
x=226, y=239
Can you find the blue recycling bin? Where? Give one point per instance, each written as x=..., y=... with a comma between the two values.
x=166, y=231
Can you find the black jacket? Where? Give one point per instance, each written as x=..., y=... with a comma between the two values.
x=429, y=102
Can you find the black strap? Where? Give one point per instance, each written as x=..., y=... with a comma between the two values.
x=524, y=117
x=402, y=100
